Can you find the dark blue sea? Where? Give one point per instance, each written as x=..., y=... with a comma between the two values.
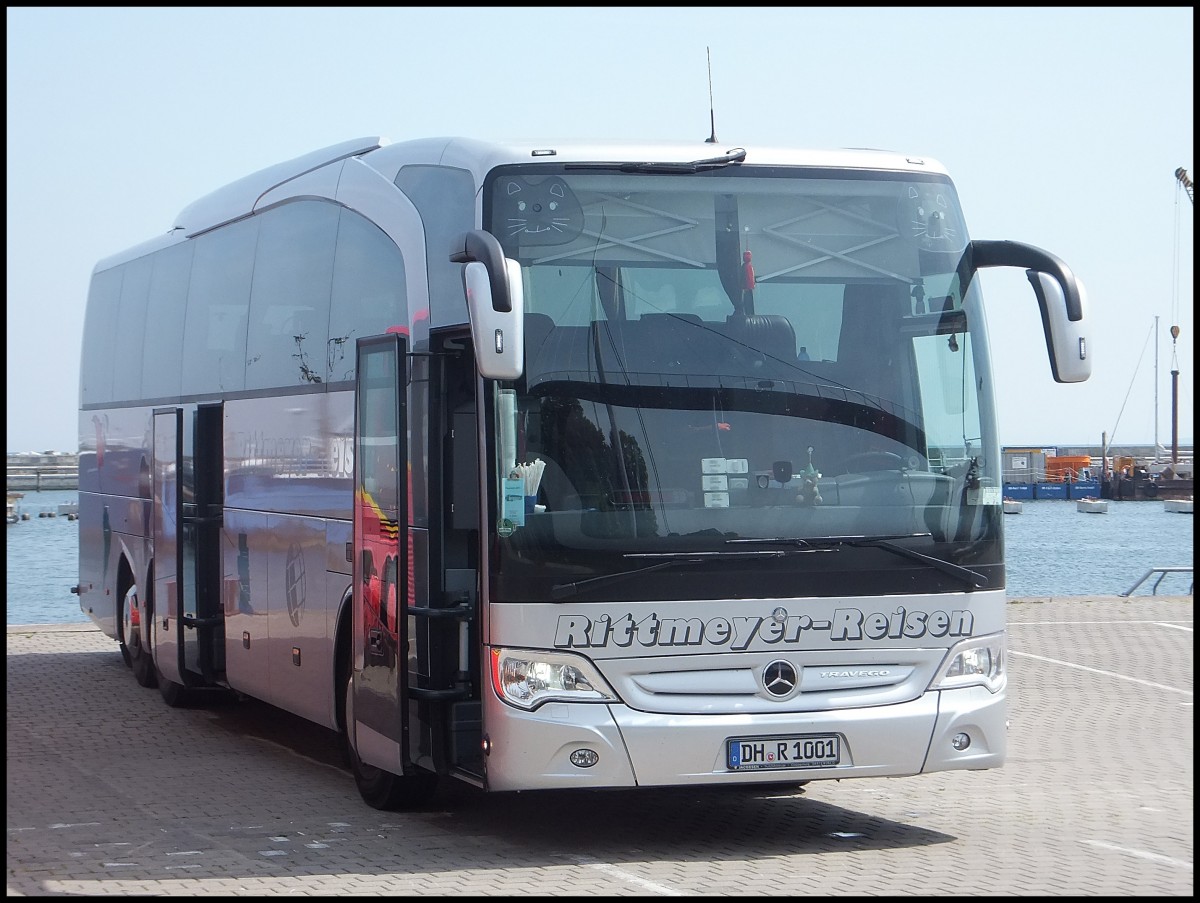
x=1053, y=550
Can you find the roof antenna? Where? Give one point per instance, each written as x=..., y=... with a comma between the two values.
x=712, y=137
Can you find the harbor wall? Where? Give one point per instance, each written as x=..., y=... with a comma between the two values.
x=1024, y=467
x=1125, y=472
x=34, y=471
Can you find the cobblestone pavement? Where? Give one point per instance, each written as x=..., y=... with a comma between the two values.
x=111, y=792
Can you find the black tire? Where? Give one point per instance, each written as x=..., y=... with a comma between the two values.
x=175, y=695
x=381, y=789
x=121, y=641
x=129, y=634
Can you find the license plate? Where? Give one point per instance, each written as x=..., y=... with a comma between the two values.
x=801, y=751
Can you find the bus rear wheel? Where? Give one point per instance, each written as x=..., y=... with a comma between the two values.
x=381, y=789
x=136, y=655
x=175, y=695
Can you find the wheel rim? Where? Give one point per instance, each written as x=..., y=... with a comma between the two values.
x=349, y=715
x=131, y=619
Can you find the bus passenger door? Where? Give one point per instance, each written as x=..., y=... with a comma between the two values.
x=203, y=634
x=381, y=556
x=165, y=487
x=187, y=491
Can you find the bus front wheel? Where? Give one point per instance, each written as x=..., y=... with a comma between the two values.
x=381, y=789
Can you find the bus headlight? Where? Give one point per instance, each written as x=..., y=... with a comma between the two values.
x=527, y=678
x=979, y=661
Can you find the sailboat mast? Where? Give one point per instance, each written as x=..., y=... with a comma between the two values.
x=1183, y=181
x=1174, y=398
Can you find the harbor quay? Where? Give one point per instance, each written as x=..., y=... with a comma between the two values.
x=35, y=471
x=1125, y=473
x=1133, y=472
x=110, y=792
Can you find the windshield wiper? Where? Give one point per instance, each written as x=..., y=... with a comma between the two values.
x=796, y=546
x=736, y=155
x=886, y=541
x=668, y=559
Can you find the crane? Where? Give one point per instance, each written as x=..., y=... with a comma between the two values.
x=1186, y=182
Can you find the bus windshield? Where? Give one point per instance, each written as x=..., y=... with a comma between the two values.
x=741, y=364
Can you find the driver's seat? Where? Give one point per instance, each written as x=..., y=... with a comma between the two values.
x=769, y=336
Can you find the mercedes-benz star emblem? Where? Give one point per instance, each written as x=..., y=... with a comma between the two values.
x=779, y=678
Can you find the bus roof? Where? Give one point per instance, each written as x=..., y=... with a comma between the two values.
x=480, y=157
x=239, y=198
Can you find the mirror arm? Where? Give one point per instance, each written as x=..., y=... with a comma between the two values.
x=482, y=246
x=1017, y=254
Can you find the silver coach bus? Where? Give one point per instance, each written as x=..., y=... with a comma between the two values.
x=547, y=466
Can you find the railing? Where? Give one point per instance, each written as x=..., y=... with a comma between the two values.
x=1162, y=572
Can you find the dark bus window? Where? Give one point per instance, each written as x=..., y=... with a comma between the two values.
x=369, y=294
x=289, y=302
x=131, y=330
x=445, y=196
x=214, y=347
x=99, y=337
x=162, y=352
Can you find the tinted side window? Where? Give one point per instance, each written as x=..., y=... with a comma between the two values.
x=289, y=302
x=214, y=348
x=446, y=199
x=160, y=358
x=369, y=294
x=131, y=330
x=99, y=337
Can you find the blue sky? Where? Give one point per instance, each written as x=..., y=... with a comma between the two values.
x=1062, y=128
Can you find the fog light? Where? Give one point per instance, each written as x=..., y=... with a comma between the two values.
x=960, y=741
x=584, y=758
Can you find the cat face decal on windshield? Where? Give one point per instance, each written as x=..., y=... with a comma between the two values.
x=540, y=211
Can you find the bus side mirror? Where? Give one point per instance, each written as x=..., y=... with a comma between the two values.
x=495, y=305
x=1066, y=339
x=1061, y=297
